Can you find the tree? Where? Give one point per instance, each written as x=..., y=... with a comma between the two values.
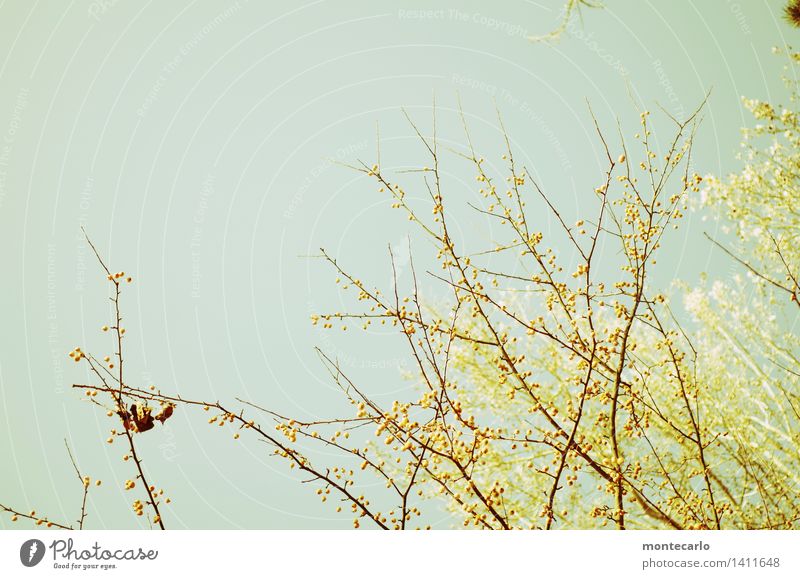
x=549, y=410
x=555, y=392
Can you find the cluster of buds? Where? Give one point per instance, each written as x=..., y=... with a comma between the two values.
x=119, y=275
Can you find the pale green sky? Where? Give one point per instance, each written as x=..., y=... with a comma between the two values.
x=193, y=141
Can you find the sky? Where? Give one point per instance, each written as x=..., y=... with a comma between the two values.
x=202, y=145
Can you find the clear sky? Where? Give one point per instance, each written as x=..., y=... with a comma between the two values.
x=194, y=141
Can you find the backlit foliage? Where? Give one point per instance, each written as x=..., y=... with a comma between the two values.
x=747, y=339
